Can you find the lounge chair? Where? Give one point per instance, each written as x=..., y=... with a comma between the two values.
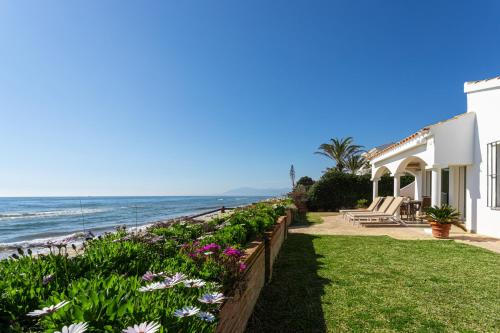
x=375, y=203
x=390, y=213
x=379, y=210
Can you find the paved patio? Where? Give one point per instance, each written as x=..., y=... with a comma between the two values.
x=335, y=225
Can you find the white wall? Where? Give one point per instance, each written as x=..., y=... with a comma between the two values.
x=453, y=140
x=483, y=98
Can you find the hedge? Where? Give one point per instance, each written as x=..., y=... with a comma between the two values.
x=337, y=190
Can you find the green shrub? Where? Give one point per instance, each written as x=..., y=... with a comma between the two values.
x=386, y=184
x=336, y=190
x=362, y=203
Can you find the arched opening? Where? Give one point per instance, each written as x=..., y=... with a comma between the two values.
x=414, y=180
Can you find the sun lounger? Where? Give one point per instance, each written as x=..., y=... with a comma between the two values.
x=380, y=210
x=375, y=203
x=390, y=213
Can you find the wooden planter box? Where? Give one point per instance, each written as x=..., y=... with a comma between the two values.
x=259, y=259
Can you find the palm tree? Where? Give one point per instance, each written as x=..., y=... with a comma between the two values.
x=354, y=162
x=339, y=150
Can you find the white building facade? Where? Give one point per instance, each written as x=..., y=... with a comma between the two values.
x=454, y=162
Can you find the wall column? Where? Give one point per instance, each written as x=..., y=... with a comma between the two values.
x=436, y=187
x=418, y=186
x=452, y=196
x=397, y=184
x=375, y=187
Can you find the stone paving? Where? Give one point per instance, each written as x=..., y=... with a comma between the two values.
x=335, y=225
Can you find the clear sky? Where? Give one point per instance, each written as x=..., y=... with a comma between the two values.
x=198, y=97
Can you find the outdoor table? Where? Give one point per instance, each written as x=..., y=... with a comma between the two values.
x=410, y=208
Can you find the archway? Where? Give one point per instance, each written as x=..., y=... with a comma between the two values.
x=414, y=166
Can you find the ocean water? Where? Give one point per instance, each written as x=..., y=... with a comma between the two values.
x=28, y=221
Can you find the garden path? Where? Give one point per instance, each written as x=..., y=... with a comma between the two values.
x=335, y=225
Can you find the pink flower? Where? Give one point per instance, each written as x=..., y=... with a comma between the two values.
x=232, y=252
x=242, y=267
x=210, y=248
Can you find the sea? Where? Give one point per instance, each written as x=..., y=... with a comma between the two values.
x=32, y=222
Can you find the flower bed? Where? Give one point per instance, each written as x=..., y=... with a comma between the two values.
x=170, y=278
x=259, y=260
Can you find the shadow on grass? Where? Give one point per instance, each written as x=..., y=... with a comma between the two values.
x=292, y=301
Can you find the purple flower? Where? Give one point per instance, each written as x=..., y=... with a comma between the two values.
x=210, y=248
x=242, y=267
x=232, y=252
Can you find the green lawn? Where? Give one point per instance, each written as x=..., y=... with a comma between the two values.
x=379, y=284
x=314, y=218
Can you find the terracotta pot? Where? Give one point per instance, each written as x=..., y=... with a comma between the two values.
x=440, y=230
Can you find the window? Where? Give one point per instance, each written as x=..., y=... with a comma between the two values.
x=493, y=169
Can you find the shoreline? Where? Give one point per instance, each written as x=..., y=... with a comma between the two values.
x=39, y=246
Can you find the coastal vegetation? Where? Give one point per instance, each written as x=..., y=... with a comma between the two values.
x=343, y=185
x=342, y=151
x=167, y=278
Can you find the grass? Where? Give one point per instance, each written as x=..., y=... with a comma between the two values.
x=379, y=284
x=314, y=218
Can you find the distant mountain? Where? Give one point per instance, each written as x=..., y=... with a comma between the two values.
x=250, y=191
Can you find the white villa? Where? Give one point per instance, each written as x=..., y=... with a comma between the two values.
x=455, y=161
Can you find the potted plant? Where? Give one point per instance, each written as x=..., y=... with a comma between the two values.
x=362, y=203
x=441, y=219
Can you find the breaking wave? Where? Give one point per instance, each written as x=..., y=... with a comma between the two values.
x=53, y=213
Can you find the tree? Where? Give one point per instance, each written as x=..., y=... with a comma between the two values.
x=354, y=162
x=305, y=181
x=292, y=175
x=339, y=150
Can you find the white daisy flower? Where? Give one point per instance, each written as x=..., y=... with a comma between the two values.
x=186, y=311
x=195, y=283
x=74, y=328
x=149, y=276
x=212, y=298
x=153, y=286
x=47, y=310
x=175, y=279
x=144, y=327
x=206, y=316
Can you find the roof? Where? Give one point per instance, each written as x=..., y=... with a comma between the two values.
x=472, y=86
x=420, y=132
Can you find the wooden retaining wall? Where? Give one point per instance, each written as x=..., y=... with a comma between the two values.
x=260, y=257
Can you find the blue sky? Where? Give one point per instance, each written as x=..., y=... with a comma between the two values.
x=198, y=97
